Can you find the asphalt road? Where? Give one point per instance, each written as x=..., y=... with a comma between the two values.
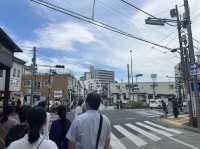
x=140, y=129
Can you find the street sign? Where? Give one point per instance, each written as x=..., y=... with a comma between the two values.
x=193, y=66
x=58, y=94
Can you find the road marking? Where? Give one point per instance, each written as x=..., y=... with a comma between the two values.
x=115, y=143
x=164, y=128
x=145, y=133
x=130, y=118
x=162, y=132
x=147, y=114
x=135, y=139
x=183, y=143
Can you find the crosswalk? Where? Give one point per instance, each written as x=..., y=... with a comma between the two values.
x=149, y=113
x=147, y=131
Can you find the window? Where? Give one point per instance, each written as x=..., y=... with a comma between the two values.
x=1, y=73
x=27, y=82
x=18, y=73
x=14, y=72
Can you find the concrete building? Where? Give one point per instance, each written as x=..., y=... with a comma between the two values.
x=93, y=85
x=15, y=79
x=97, y=80
x=7, y=49
x=104, y=76
x=145, y=91
x=54, y=86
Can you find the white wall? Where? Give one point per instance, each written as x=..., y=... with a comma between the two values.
x=15, y=81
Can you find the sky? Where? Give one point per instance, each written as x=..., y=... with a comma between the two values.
x=61, y=39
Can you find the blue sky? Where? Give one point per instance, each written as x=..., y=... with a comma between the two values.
x=61, y=39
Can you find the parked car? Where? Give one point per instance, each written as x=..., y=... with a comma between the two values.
x=154, y=103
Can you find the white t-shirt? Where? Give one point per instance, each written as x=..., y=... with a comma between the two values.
x=46, y=126
x=24, y=144
x=84, y=130
x=78, y=111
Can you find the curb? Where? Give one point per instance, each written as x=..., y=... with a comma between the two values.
x=183, y=126
x=186, y=127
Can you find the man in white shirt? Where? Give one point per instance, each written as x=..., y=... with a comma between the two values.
x=84, y=129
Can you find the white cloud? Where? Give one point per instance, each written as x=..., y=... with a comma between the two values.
x=60, y=36
x=111, y=49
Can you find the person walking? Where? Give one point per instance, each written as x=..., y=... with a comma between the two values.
x=90, y=130
x=164, y=107
x=79, y=109
x=6, y=123
x=175, y=107
x=45, y=131
x=18, y=131
x=36, y=118
x=59, y=128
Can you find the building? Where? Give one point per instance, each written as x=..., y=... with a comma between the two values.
x=104, y=76
x=144, y=92
x=93, y=85
x=97, y=80
x=52, y=86
x=7, y=49
x=15, y=79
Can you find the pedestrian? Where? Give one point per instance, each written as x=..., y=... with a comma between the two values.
x=6, y=122
x=59, y=128
x=164, y=107
x=36, y=118
x=175, y=107
x=90, y=130
x=45, y=131
x=18, y=106
x=79, y=109
x=18, y=131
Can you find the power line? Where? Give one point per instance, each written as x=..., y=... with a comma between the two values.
x=130, y=4
x=137, y=8
x=94, y=22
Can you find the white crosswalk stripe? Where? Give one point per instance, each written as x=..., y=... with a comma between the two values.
x=115, y=143
x=162, y=132
x=140, y=128
x=164, y=128
x=149, y=114
x=135, y=139
x=145, y=133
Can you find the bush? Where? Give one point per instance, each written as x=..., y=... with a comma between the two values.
x=135, y=104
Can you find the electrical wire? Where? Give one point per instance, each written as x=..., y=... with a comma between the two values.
x=137, y=8
x=94, y=22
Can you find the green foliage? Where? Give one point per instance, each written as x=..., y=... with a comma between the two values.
x=135, y=104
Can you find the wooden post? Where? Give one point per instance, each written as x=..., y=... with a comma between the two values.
x=7, y=86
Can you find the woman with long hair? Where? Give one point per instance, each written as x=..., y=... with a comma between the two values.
x=36, y=118
x=59, y=129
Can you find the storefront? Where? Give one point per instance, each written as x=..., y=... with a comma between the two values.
x=7, y=49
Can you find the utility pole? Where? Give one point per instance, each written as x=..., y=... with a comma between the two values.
x=131, y=69
x=192, y=62
x=184, y=64
x=33, y=76
x=128, y=81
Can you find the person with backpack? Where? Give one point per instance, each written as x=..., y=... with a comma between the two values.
x=90, y=130
x=36, y=118
x=59, y=128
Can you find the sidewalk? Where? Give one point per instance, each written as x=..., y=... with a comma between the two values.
x=177, y=122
